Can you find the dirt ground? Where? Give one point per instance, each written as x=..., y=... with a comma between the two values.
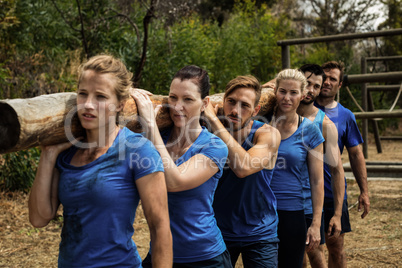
x=374, y=242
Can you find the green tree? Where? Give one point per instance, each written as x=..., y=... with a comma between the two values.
x=341, y=16
x=392, y=45
x=32, y=48
x=226, y=51
x=247, y=44
x=7, y=20
x=329, y=17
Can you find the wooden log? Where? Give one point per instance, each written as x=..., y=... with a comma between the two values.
x=26, y=123
x=51, y=119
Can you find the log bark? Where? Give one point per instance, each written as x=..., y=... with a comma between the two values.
x=51, y=119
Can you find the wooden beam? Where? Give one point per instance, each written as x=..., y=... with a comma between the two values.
x=391, y=138
x=379, y=114
x=383, y=87
x=338, y=37
x=373, y=77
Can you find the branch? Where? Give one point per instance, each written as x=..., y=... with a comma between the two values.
x=84, y=40
x=130, y=21
x=147, y=19
x=315, y=5
x=357, y=16
x=62, y=16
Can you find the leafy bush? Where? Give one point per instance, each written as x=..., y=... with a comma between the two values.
x=245, y=44
x=18, y=170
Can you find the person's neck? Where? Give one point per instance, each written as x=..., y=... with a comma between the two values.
x=241, y=134
x=285, y=118
x=99, y=139
x=184, y=136
x=327, y=102
x=307, y=110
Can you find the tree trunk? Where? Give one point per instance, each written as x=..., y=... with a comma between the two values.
x=52, y=119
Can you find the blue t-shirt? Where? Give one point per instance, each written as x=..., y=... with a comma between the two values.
x=100, y=200
x=287, y=182
x=308, y=204
x=196, y=236
x=348, y=135
x=245, y=208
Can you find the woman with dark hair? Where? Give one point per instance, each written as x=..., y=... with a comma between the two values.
x=193, y=159
x=97, y=182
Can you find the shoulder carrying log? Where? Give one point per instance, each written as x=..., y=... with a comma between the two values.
x=51, y=119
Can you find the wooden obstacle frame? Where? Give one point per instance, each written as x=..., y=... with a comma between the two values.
x=364, y=78
x=367, y=100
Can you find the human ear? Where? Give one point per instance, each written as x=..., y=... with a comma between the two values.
x=120, y=106
x=256, y=110
x=205, y=103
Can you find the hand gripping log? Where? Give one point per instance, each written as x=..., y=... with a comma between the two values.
x=51, y=119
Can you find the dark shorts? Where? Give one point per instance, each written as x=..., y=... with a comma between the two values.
x=220, y=261
x=329, y=212
x=292, y=235
x=309, y=219
x=257, y=254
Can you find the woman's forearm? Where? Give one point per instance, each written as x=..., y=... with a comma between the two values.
x=43, y=200
x=172, y=174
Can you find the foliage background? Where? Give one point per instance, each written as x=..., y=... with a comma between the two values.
x=42, y=43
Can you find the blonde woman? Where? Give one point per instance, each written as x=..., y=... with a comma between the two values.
x=301, y=145
x=97, y=182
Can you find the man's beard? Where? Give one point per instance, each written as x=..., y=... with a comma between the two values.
x=307, y=102
x=230, y=126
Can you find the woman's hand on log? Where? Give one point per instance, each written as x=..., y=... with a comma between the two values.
x=210, y=112
x=145, y=107
x=52, y=151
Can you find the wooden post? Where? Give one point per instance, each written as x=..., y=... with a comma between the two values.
x=364, y=106
x=374, y=123
x=285, y=56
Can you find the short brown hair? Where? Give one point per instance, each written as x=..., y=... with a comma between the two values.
x=106, y=64
x=246, y=81
x=335, y=65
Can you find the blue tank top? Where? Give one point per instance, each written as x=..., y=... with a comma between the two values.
x=245, y=208
x=308, y=204
x=287, y=181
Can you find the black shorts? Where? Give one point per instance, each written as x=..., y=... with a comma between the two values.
x=292, y=238
x=222, y=261
x=309, y=219
x=329, y=212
